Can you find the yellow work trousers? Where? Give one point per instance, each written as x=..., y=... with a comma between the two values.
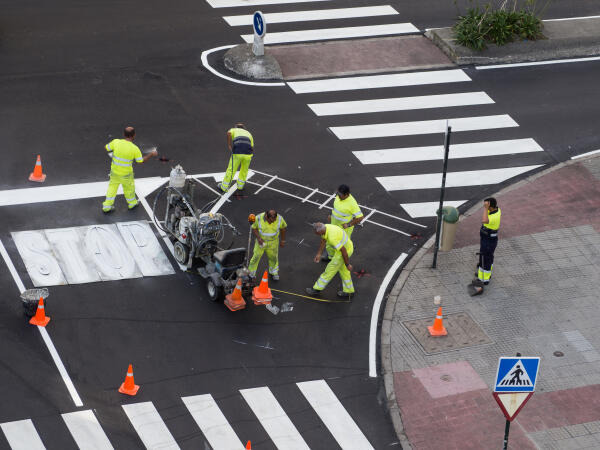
x=241, y=161
x=128, y=190
x=272, y=250
x=336, y=265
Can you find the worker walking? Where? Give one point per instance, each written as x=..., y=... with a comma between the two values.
x=488, y=240
x=266, y=228
x=346, y=213
x=241, y=145
x=123, y=152
x=337, y=238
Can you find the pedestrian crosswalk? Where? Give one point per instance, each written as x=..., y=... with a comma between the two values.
x=156, y=432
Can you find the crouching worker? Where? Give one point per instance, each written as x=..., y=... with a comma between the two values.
x=266, y=228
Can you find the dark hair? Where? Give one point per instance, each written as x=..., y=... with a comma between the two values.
x=493, y=202
x=129, y=132
x=240, y=125
x=268, y=214
x=343, y=189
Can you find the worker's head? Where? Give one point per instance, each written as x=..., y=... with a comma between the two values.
x=129, y=133
x=271, y=215
x=343, y=191
x=240, y=125
x=492, y=202
x=319, y=228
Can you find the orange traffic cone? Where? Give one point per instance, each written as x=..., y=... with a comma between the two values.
x=40, y=319
x=438, y=326
x=37, y=174
x=261, y=295
x=129, y=387
x=235, y=301
x=248, y=445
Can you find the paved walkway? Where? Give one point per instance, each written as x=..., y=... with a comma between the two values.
x=543, y=301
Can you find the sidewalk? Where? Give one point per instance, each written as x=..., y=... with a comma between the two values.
x=542, y=301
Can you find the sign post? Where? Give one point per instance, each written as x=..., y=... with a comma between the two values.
x=442, y=191
x=260, y=29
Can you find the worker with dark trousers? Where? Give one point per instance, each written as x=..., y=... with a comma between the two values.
x=241, y=146
x=488, y=235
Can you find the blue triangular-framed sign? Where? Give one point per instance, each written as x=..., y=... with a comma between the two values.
x=516, y=374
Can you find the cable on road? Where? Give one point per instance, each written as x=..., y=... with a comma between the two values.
x=324, y=300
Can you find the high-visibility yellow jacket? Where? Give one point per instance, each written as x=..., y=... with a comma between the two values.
x=242, y=142
x=269, y=231
x=494, y=220
x=345, y=210
x=124, y=153
x=337, y=238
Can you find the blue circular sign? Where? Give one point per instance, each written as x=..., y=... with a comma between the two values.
x=259, y=24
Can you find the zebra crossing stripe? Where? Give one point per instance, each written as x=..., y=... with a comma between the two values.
x=335, y=33
x=318, y=14
x=212, y=422
x=86, y=431
x=400, y=103
x=149, y=426
x=453, y=179
x=470, y=150
x=379, y=81
x=240, y=3
x=334, y=415
x=428, y=209
x=423, y=127
x=22, y=435
x=273, y=418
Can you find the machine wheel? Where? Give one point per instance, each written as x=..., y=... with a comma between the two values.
x=214, y=292
x=181, y=252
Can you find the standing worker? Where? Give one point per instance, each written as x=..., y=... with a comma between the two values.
x=266, y=229
x=241, y=146
x=123, y=152
x=340, y=263
x=346, y=213
x=488, y=234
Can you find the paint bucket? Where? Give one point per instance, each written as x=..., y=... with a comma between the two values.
x=31, y=298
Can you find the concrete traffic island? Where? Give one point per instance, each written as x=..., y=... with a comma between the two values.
x=563, y=39
x=241, y=60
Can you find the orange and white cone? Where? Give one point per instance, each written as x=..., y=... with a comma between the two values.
x=40, y=319
x=261, y=295
x=248, y=445
x=37, y=174
x=235, y=301
x=129, y=387
x=438, y=325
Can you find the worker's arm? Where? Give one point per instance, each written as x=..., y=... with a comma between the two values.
x=353, y=222
x=257, y=235
x=282, y=238
x=147, y=156
x=485, y=218
x=229, y=141
x=346, y=259
x=320, y=251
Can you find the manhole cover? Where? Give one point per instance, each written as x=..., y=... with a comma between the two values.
x=558, y=353
x=463, y=332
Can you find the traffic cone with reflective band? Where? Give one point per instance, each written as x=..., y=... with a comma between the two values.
x=438, y=326
x=248, y=445
x=37, y=174
x=261, y=295
x=129, y=387
x=40, y=319
x=235, y=301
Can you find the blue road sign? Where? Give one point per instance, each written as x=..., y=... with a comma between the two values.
x=259, y=23
x=516, y=374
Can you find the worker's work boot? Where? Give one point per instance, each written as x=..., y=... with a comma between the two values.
x=347, y=295
x=311, y=291
x=133, y=206
x=275, y=277
x=108, y=210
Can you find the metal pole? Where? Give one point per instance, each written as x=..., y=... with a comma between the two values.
x=442, y=191
x=507, y=429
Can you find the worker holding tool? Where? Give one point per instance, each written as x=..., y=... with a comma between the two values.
x=337, y=238
x=346, y=213
x=123, y=152
x=488, y=240
x=241, y=146
x=266, y=228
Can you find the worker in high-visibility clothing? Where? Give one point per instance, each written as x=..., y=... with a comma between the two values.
x=340, y=263
x=488, y=240
x=123, y=152
x=267, y=229
x=241, y=146
x=346, y=214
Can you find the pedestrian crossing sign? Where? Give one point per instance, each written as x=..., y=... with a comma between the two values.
x=516, y=374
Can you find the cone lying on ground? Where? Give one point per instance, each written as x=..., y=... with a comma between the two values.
x=235, y=301
x=261, y=295
x=438, y=326
x=129, y=387
x=37, y=174
x=40, y=319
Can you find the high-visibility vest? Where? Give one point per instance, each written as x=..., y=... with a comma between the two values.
x=345, y=210
x=269, y=231
x=242, y=142
x=124, y=152
x=490, y=229
x=337, y=237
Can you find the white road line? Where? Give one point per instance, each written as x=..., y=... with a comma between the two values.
x=86, y=431
x=273, y=178
x=379, y=81
x=241, y=3
x=335, y=33
x=428, y=209
x=225, y=197
x=571, y=18
x=212, y=422
x=273, y=418
x=331, y=197
x=583, y=155
x=334, y=415
x=11, y=268
x=453, y=179
x=318, y=14
x=22, y=435
x=423, y=127
x=538, y=63
x=375, y=313
x=400, y=104
x=149, y=426
x=470, y=150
